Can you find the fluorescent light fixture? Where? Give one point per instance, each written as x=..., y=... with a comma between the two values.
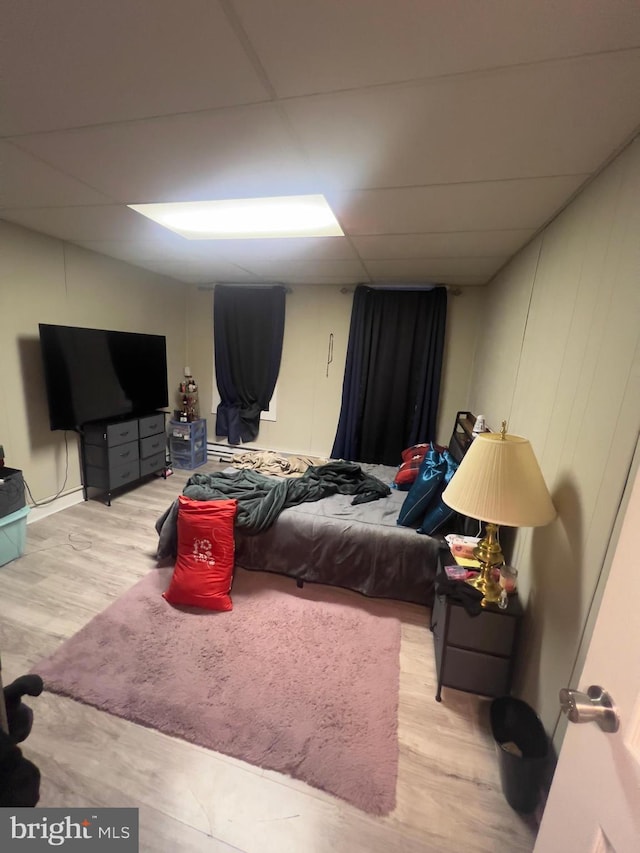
x=246, y=218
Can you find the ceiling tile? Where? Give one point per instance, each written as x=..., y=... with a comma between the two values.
x=231, y=153
x=529, y=121
x=73, y=63
x=320, y=278
x=473, y=124
x=237, y=252
x=211, y=271
x=233, y=275
x=453, y=279
x=428, y=269
x=319, y=47
x=454, y=244
x=83, y=223
x=299, y=248
x=140, y=250
x=26, y=181
x=491, y=205
x=352, y=269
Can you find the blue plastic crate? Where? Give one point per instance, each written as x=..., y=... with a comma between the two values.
x=184, y=455
x=188, y=444
x=13, y=535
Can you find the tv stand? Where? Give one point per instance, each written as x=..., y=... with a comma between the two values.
x=121, y=452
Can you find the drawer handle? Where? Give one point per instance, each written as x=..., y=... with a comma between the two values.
x=125, y=475
x=124, y=434
x=124, y=454
x=152, y=426
x=155, y=444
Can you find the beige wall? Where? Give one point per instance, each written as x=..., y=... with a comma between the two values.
x=43, y=280
x=465, y=320
x=308, y=400
x=46, y=280
x=559, y=358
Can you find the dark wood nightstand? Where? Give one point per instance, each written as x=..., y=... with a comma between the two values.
x=474, y=653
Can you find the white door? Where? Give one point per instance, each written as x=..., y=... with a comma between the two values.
x=594, y=802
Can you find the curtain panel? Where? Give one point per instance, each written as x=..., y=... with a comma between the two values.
x=391, y=385
x=248, y=328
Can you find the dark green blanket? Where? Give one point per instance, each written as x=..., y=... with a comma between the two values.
x=261, y=499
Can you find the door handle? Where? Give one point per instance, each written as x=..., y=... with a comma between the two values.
x=593, y=706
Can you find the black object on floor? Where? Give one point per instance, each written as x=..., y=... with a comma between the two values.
x=19, y=715
x=19, y=777
x=522, y=747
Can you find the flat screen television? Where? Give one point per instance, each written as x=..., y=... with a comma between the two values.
x=97, y=374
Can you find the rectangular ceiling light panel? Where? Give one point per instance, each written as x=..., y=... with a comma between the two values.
x=246, y=218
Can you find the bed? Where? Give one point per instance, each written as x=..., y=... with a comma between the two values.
x=358, y=547
x=336, y=540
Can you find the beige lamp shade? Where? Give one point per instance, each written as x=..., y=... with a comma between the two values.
x=499, y=481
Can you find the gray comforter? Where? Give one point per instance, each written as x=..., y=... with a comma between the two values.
x=261, y=499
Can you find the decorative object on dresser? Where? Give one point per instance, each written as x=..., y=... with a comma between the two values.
x=474, y=653
x=116, y=453
x=498, y=482
x=188, y=405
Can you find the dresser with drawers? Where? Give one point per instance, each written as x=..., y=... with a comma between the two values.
x=474, y=653
x=120, y=453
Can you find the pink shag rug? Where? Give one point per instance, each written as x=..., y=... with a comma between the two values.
x=304, y=682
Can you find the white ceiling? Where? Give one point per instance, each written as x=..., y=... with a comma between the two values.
x=444, y=133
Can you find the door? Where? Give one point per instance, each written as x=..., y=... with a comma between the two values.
x=594, y=802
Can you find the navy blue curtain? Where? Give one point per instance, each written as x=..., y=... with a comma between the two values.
x=248, y=328
x=392, y=375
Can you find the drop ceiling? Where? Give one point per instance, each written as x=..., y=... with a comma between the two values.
x=444, y=133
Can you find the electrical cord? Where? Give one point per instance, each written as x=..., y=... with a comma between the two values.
x=66, y=474
x=76, y=542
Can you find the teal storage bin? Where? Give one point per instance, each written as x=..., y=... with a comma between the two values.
x=13, y=535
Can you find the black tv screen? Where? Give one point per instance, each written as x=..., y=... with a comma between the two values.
x=96, y=374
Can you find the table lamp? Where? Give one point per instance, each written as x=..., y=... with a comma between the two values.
x=498, y=482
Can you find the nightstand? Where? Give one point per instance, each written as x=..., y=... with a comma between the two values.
x=474, y=653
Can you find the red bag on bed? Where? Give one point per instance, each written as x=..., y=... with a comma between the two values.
x=411, y=460
x=416, y=451
x=407, y=473
x=206, y=548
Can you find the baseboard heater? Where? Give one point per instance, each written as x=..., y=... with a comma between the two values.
x=225, y=452
x=221, y=452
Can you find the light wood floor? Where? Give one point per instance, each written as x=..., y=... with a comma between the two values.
x=76, y=563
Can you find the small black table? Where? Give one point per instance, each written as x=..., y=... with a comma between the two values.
x=473, y=653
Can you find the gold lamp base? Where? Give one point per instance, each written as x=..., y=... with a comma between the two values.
x=489, y=554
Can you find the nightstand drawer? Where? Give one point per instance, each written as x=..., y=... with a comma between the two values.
x=476, y=673
x=489, y=632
